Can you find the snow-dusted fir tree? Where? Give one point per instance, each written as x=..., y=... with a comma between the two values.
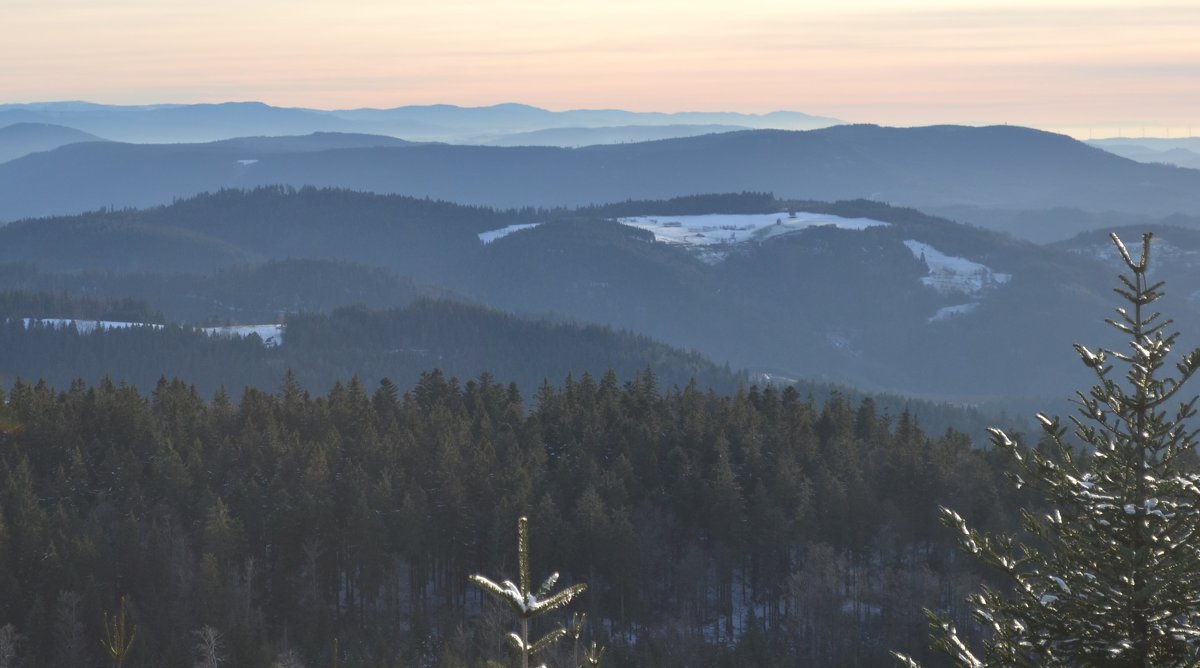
x=118, y=640
x=1111, y=576
x=526, y=602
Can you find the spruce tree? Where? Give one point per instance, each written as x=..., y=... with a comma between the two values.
x=1110, y=573
x=528, y=603
x=117, y=642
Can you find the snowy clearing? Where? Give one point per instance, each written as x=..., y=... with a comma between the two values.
x=955, y=275
x=489, y=237
x=709, y=234
x=271, y=335
x=947, y=312
x=724, y=229
x=84, y=326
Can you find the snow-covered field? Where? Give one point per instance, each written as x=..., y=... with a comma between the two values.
x=84, y=326
x=489, y=237
x=703, y=232
x=271, y=335
x=708, y=234
x=950, y=275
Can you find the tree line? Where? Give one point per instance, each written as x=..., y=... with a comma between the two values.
x=758, y=528
x=461, y=339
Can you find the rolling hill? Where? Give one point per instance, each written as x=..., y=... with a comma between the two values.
x=998, y=167
x=623, y=134
x=794, y=289
x=21, y=139
x=400, y=343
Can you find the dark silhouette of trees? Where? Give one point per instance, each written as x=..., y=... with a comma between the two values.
x=757, y=528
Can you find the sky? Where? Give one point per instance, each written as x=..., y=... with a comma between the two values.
x=1083, y=66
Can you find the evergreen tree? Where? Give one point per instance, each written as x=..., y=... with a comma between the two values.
x=118, y=643
x=1109, y=578
x=528, y=603
x=10, y=641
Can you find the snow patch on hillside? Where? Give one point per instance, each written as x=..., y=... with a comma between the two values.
x=950, y=275
x=734, y=228
x=84, y=326
x=489, y=237
x=271, y=335
x=947, y=312
x=711, y=235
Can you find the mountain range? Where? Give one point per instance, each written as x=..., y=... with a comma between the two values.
x=824, y=234
x=1182, y=152
x=787, y=288
x=174, y=123
x=622, y=134
x=990, y=168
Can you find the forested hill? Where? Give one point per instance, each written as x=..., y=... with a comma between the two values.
x=253, y=293
x=20, y=139
x=419, y=237
x=321, y=349
x=803, y=304
x=992, y=167
x=60, y=304
x=755, y=529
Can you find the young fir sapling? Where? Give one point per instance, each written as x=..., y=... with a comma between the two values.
x=528, y=603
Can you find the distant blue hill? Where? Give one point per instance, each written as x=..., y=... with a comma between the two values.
x=620, y=134
x=999, y=167
x=20, y=139
x=208, y=122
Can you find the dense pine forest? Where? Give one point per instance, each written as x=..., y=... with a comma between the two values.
x=759, y=528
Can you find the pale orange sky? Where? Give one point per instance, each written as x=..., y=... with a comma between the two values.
x=1051, y=63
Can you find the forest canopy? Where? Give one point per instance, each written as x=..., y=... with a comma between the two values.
x=758, y=528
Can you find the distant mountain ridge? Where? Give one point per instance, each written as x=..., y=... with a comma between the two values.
x=621, y=134
x=20, y=139
x=939, y=166
x=314, y=141
x=173, y=123
x=1182, y=152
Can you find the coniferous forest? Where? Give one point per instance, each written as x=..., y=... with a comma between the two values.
x=324, y=498
x=594, y=334
x=753, y=529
